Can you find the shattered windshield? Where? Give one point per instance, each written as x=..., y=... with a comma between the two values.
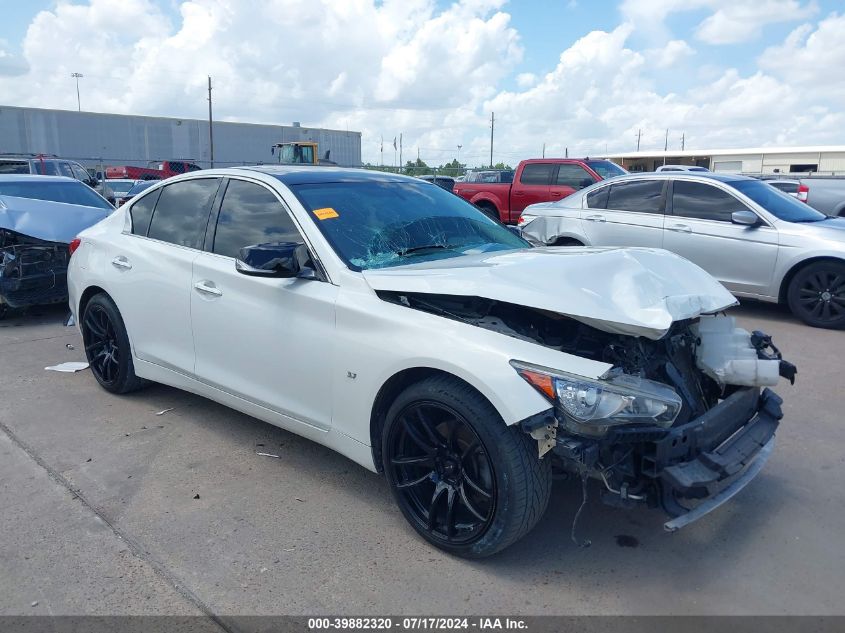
x=374, y=224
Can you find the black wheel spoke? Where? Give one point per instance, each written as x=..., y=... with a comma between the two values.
x=430, y=431
x=432, y=508
x=475, y=486
x=416, y=482
x=450, y=512
x=94, y=327
x=469, y=506
x=410, y=461
x=418, y=439
x=470, y=449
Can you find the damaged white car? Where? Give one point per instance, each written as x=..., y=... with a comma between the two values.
x=395, y=323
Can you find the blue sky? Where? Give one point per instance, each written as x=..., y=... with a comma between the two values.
x=583, y=75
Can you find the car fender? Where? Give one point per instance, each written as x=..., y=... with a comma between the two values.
x=787, y=267
x=547, y=229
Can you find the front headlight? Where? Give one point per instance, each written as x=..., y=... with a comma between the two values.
x=590, y=407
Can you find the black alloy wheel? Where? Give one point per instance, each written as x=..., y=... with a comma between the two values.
x=466, y=482
x=817, y=295
x=101, y=346
x=107, y=346
x=443, y=473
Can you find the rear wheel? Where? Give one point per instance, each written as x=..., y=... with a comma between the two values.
x=464, y=480
x=489, y=210
x=107, y=346
x=816, y=294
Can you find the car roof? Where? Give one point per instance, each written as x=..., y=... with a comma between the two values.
x=34, y=178
x=678, y=174
x=300, y=175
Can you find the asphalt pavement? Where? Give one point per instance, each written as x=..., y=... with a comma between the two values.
x=108, y=507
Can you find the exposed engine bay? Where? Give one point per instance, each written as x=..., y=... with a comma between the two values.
x=716, y=369
x=32, y=271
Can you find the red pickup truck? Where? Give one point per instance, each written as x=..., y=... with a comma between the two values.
x=155, y=171
x=536, y=180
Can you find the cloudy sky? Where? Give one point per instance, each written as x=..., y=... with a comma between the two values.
x=579, y=74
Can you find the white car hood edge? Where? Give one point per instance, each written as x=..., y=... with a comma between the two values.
x=629, y=291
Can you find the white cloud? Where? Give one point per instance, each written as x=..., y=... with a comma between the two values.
x=434, y=74
x=740, y=21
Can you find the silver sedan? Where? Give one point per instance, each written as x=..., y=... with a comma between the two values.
x=759, y=242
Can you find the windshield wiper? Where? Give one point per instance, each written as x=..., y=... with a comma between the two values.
x=427, y=247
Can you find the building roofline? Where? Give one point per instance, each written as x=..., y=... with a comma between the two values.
x=691, y=153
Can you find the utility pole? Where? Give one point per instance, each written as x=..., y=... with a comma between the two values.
x=492, y=127
x=544, y=150
x=78, y=102
x=400, y=151
x=683, y=141
x=382, y=150
x=639, y=136
x=459, y=156
x=210, y=127
x=665, y=146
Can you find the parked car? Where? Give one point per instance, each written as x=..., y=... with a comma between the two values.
x=118, y=188
x=758, y=241
x=823, y=193
x=395, y=323
x=45, y=165
x=694, y=168
x=490, y=175
x=138, y=187
x=154, y=171
x=34, y=237
x=54, y=188
x=536, y=180
x=445, y=182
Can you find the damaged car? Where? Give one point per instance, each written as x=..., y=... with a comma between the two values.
x=396, y=324
x=35, y=235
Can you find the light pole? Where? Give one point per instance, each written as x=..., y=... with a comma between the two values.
x=459, y=155
x=78, y=102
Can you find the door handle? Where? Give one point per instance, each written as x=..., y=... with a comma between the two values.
x=208, y=288
x=121, y=262
x=518, y=193
x=556, y=194
x=680, y=228
x=596, y=218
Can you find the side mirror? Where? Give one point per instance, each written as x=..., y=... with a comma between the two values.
x=280, y=259
x=746, y=218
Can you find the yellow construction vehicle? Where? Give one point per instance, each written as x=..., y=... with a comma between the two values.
x=300, y=153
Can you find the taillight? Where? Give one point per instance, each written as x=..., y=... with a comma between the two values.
x=803, y=193
x=74, y=244
x=521, y=220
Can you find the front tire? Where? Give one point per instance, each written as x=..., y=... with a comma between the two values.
x=816, y=295
x=465, y=481
x=107, y=346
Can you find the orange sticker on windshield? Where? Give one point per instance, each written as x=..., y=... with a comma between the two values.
x=326, y=213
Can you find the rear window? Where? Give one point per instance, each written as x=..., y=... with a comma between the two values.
x=640, y=196
x=69, y=192
x=141, y=213
x=779, y=204
x=788, y=187
x=181, y=215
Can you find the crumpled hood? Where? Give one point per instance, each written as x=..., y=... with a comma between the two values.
x=631, y=291
x=47, y=220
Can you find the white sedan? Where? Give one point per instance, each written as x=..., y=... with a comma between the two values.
x=395, y=323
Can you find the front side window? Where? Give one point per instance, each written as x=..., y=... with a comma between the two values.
x=80, y=174
x=702, y=201
x=640, y=196
x=142, y=211
x=537, y=174
x=181, y=215
x=374, y=224
x=65, y=170
x=569, y=175
x=250, y=214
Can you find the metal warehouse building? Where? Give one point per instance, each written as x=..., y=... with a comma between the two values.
x=117, y=139
x=823, y=159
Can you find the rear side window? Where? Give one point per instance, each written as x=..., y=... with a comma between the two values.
x=569, y=175
x=597, y=199
x=13, y=167
x=142, y=211
x=181, y=215
x=537, y=174
x=251, y=214
x=703, y=202
x=788, y=187
x=642, y=196
x=65, y=170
